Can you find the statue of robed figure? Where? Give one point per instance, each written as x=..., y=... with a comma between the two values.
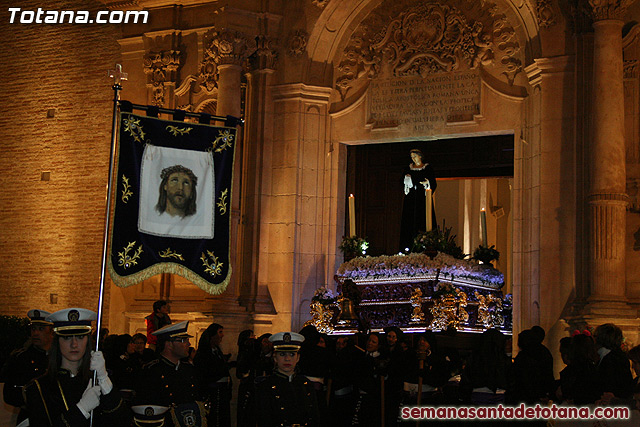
x=419, y=177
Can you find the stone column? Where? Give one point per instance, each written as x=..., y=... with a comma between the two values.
x=230, y=50
x=258, y=137
x=607, y=200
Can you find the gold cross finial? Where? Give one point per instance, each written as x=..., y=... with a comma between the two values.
x=118, y=75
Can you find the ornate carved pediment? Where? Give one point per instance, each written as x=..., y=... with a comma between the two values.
x=630, y=68
x=298, y=43
x=608, y=9
x=546, y=15
x=430, y=38
x=633, y=191
x=265, y=57
x=160, y=68
x=221, y=47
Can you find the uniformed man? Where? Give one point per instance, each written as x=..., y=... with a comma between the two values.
x=284, y=398
x=166, y=381
x=29, y=362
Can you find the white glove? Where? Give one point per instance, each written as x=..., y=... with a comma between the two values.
x=90, y=400
x=426, y=185
x=98, y=365
x=408, y=183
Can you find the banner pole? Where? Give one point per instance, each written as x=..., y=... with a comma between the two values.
x=118, y=77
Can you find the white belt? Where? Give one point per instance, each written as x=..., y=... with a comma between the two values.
x=315, y=379
x=488, y=390
x=413, y=388
x=344, y=391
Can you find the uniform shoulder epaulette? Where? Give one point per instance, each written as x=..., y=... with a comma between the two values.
x=150, y=363
x=260, y=379
x=18, y=351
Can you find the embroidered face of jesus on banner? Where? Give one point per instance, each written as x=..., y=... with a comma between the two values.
x=173, y=202
x=176, y=196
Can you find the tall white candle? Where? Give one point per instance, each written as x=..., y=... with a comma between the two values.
x=352, y=216
x=428, y=210
x=483, y=225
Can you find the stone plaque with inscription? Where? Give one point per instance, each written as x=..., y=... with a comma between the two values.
x=424, y=104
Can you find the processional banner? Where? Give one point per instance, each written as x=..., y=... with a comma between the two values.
x=173, y=202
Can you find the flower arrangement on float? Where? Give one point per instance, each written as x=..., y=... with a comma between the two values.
x=353, y=246
x=324, y=296
x=417, y=264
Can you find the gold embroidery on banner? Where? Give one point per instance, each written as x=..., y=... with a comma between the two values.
x=211, y=263
x=222, y=142
x=126, y=190
x=168, y=253
x=222, y=202
x=175, y=131
x=133, y=127
x=127, y=260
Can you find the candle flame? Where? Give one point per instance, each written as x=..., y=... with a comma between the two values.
x=350, y=195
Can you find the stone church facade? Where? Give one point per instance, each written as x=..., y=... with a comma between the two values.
x=311, y=78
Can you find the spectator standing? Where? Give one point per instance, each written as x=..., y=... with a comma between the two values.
x=157, y=320
x=213, y=371
x=614, y=374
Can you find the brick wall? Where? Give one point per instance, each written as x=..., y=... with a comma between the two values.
x=51, y=231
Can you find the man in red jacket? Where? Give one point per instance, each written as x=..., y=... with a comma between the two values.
x=156, y=320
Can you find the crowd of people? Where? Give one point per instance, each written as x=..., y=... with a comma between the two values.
x=289, y=378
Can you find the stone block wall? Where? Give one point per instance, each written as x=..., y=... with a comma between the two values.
x=56, y=128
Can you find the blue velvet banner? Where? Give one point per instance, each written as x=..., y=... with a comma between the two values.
x=172, y=202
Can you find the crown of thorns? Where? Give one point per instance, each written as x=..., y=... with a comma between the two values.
x=166, y=172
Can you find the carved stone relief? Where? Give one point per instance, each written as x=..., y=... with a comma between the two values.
x=298, y=43
x=265, y=57
x=630, y=68
x=608, y=9
x=427, y=39
x=160, y=68
x=320, y=3
x=221, y=47
x=633, y=191
x=546, y=15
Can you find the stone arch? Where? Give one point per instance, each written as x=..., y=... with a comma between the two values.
x=326, y=46
x=338, y=21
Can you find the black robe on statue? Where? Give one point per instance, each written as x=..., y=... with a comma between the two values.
x=414, y=206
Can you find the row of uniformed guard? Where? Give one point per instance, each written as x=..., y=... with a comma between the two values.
x=52, y=380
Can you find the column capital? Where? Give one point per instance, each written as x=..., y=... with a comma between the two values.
x=603, y=10
x=227, y=47
x=265, y=57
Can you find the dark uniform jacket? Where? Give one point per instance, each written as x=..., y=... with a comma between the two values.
x=215, y=383
x=614, y=374
x=52, y=402
x=23, y=365
x=286, y=401
x=162, y=382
